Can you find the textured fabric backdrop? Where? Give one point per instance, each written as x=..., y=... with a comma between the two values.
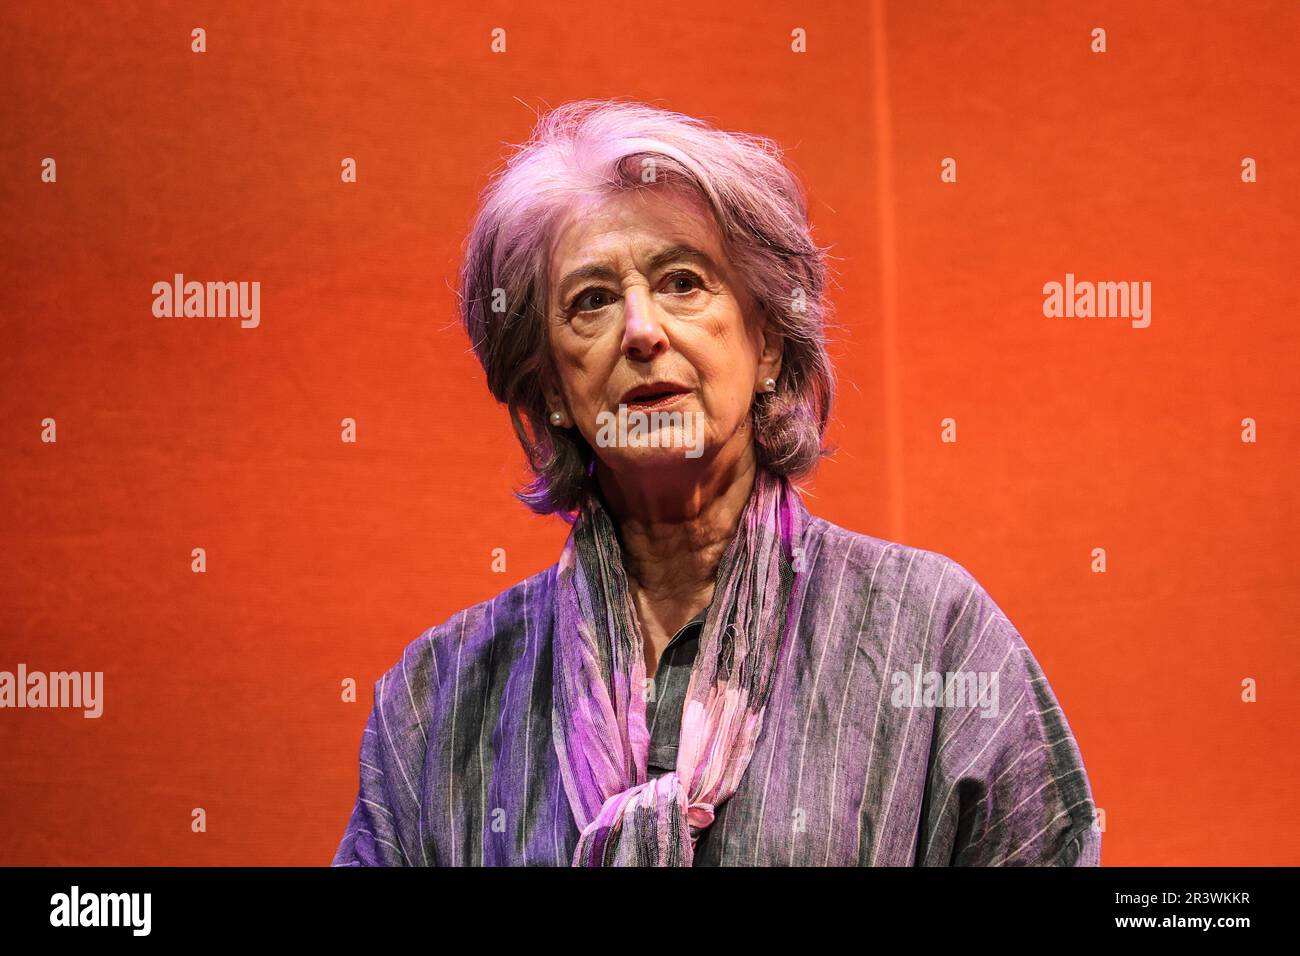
x=324, y=559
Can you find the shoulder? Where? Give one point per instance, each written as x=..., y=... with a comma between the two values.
x=913, y=574
x=928, y=590
x=469, y=640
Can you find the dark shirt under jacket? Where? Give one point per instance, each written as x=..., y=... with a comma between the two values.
x=663, y=711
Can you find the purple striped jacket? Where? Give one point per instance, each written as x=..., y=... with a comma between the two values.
x=908, y=724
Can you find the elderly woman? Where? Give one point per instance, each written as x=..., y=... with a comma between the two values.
x=709, y=675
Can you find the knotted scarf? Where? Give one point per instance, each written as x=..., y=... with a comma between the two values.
x=599, y=697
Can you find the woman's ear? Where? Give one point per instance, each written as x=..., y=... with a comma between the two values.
x=548, y=383
x=769, y=360
x=554, y=402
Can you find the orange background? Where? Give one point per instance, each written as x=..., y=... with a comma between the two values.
x=325, y=559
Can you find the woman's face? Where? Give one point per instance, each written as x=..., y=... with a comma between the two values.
x=641, y=294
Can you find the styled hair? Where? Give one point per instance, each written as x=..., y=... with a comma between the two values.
x=590, y=147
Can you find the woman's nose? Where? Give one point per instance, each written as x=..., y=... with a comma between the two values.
x=643, y=332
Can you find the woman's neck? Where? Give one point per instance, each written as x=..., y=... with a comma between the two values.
x=673, y=535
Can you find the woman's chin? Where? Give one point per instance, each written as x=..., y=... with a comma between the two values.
x=648, y=459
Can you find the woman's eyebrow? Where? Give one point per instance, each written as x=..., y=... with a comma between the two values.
x=595, y=270
x=680, y=251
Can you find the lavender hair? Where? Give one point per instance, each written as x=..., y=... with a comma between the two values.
x=593, y=146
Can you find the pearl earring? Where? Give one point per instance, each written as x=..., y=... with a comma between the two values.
x=556, y=418
x=769, y=385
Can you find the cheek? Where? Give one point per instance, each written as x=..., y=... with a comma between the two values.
x=726, y=363
x=582, y=366
x=727, y=394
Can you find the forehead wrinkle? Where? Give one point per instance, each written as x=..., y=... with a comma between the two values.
x=691, y=234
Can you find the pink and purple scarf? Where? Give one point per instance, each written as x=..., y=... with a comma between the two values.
x=598, y=714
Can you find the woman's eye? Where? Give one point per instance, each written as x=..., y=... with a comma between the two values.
x=585, y=303
x=690, y=278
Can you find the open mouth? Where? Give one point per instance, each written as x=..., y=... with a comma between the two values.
x=654, y=399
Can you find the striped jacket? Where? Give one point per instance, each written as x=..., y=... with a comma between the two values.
x=908, y=724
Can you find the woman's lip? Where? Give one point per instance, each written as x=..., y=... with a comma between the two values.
x=657, y=402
